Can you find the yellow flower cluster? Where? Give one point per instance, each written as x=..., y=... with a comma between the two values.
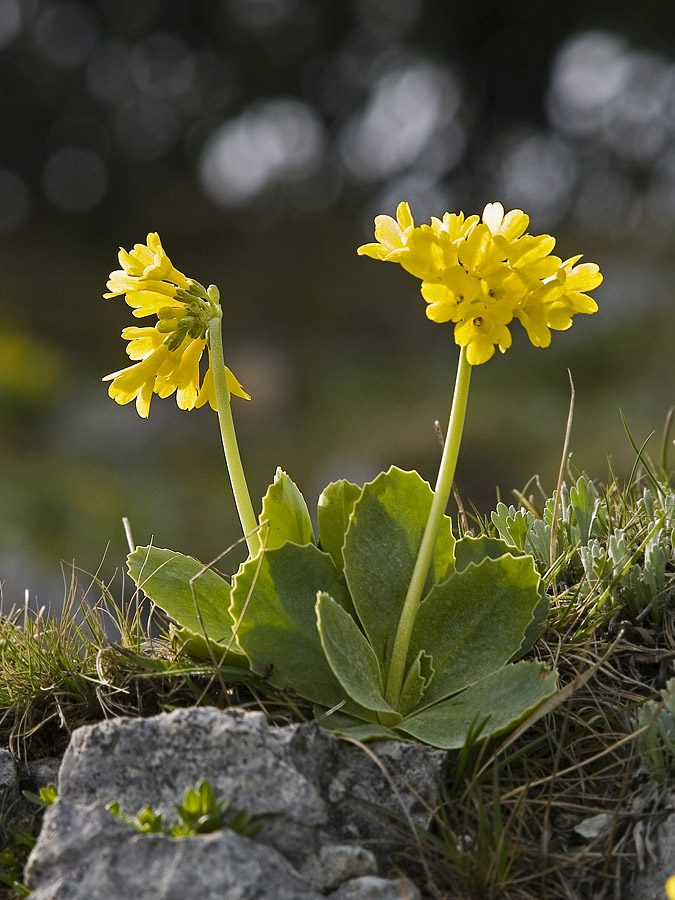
x=168, y=354
x=480, y=275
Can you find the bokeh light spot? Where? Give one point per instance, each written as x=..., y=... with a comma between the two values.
x=66, y=34
x=590, y=71
x=145, y=128
x=536, y=172
x=162, y=66
x=75, y=179
x=260, y=14
x=107, y=75
x=10, y=21
x=406, y=107
x=270, y=142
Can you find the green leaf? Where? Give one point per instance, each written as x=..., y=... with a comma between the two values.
x=475, y=549
x=512, y=524
x=380, y=550
x=188, y=591
x=273, y=599
x=584, y=500
x=233, y=663
x=503, y=698
x=285, y=511
x=335, y=507
x=416, y=681
x=471, y=549
x=350, y=656
x=475, y=621
x=349, y=726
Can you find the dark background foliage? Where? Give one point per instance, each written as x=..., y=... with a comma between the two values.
x=260, y=137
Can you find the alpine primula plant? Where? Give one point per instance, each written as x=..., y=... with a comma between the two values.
x=390, y=626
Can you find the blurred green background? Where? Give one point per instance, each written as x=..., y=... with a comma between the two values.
x=260, y=137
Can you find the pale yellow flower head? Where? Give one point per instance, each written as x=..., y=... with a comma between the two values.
x=168, y=354
x=482, y=272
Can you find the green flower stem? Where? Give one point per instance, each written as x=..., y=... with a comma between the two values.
x=446, y=475
x=242, y=498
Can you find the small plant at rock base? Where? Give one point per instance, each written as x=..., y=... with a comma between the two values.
x=199, y=813
x=45, y=797
x=13, y=860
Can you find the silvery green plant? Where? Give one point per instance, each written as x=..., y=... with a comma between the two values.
x=627, y=567
x=657, y=741
x=579, y=517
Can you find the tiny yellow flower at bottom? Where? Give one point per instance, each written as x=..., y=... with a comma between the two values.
x=670, y=888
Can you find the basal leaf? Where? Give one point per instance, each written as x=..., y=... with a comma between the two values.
x=502, y=698
x=471, y=549
x=191, y=593
x=273, y=599
x=417, y=679
x=233, y=663
x=474, y=621
x=335, y=506
x=380, y=550
x=285, y=511
x=350, y=656
x=349, y=726
x=475, y=549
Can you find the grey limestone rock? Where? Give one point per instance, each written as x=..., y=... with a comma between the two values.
x=369, y=887
x=337, y=863
x=10, y=796
x=9, y=779
x=88, y=853
x=323, y=803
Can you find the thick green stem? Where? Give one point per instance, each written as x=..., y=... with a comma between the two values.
x=242, y=498
x=446, y=475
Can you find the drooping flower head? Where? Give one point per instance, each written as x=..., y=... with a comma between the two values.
x=481, y=273
x=167, y=354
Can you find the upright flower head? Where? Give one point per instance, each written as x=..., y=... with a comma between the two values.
x=481, y=274
x=168, y=353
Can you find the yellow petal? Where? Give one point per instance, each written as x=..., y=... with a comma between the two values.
x=142, y=341
x=404, y=216
x=492, y=216
x=233, y=385
x=375, y=251
x=207, y=392
x=584, y=277
x=479, y=351
x=186, y=377
x=388, y=232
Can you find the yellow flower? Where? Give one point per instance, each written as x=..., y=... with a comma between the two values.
x=480, y=275
x=670, y=888
x=167, y=355
x=425, y=251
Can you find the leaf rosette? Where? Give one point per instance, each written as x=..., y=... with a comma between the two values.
x=319, y=617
